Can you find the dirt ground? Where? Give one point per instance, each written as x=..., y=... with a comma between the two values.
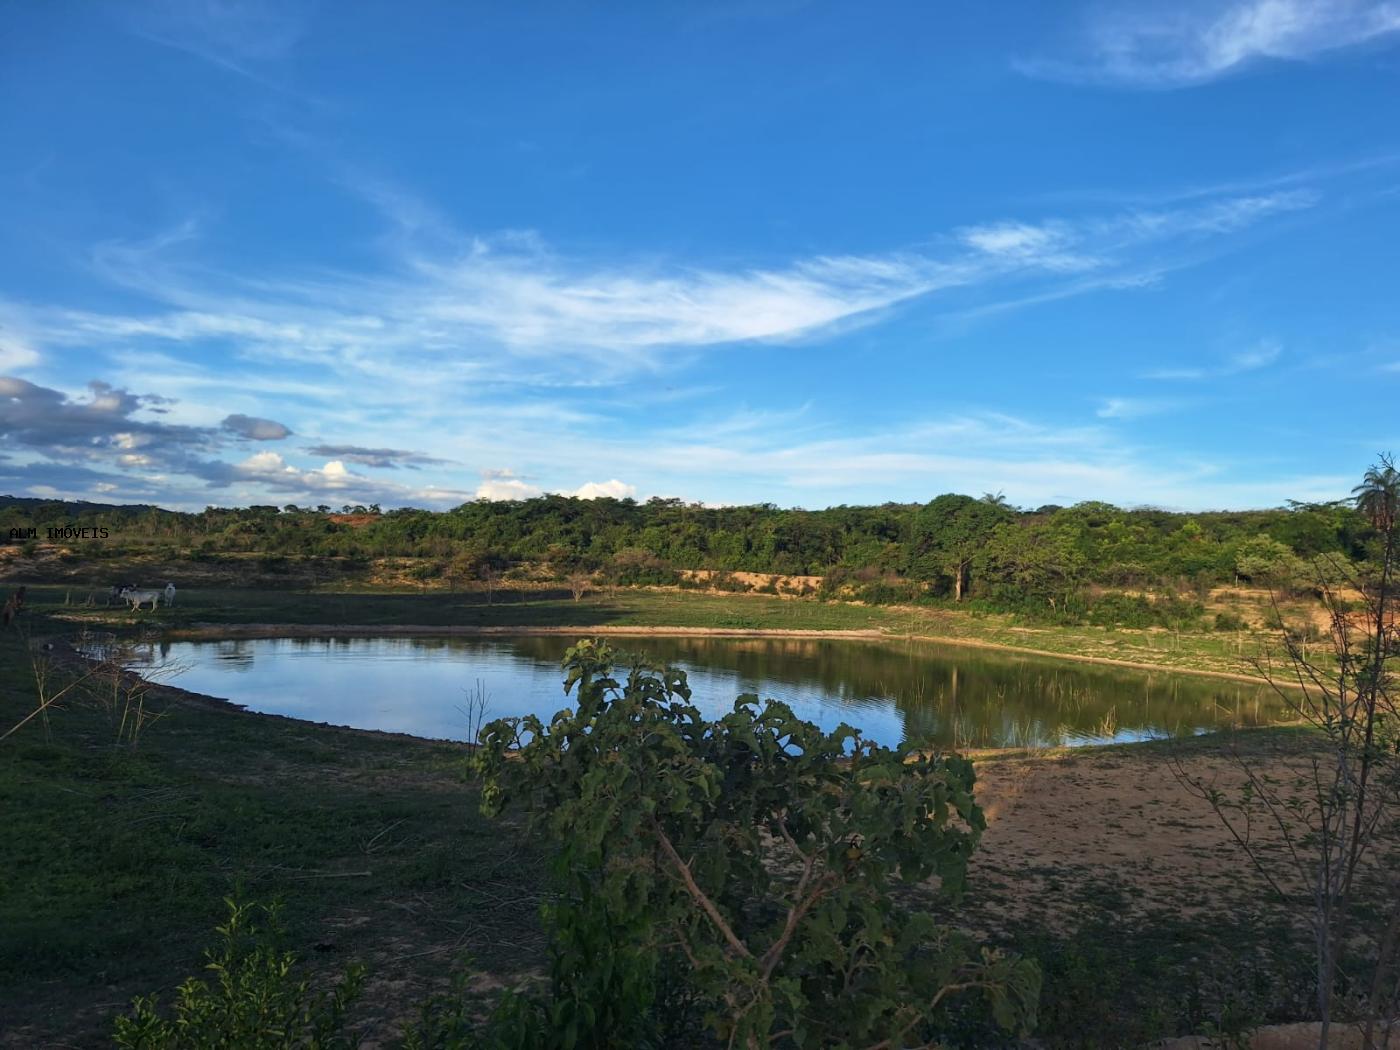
x=1122, y=815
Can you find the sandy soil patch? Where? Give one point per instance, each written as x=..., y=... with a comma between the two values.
x=1118, y=816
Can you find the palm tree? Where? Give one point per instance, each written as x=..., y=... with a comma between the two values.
x=1378, y=495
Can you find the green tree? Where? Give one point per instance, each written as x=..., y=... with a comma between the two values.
x=1038, y=559
x=1263, y=559
x=741, y=867
x=948, y=534
x=1378, y=495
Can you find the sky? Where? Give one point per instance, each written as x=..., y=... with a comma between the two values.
x=773, y=251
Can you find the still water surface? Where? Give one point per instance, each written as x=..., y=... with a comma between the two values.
x=892, y=690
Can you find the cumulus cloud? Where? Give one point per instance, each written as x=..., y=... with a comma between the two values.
x=613, y=489
x=271, y=469
x=505, y=484
x=507, y=489
x=103, y=427
x=387, y=458
x=1156, y=44
x=255, y=429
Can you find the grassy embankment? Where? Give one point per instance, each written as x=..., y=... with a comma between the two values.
x=114, y=860
x=1191, y=651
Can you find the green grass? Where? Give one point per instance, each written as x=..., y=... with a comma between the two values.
x=1184, y=651
x=115, y=861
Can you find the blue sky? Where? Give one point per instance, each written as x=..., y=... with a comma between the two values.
x=778, y=251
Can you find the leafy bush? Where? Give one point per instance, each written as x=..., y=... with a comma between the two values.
x=869, y=585
x=737, y=872
x=889, y=591
x=1229, y=621
x=1138, y=611
x=254, y=1003
x=728, y=582
x=634, y=566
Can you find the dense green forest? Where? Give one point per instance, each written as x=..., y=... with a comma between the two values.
x=953, y=547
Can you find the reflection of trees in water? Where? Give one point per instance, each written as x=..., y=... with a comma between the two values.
x=235, y=652
x=948, y=696
x=965, y=698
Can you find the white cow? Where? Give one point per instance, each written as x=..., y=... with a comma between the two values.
x=136, y=598
x=169, y=594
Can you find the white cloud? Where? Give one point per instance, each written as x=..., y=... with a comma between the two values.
x=507, y=489
x=1044, y=245
x=263, y=463
x=510, y=310
x=1186, y=374
x=505, y=485
x=271, y=468
x=613, y=489
x=1158, y=44
x=488, y=355
x=1260, y=356
x=1132, y=407
x=16, y=353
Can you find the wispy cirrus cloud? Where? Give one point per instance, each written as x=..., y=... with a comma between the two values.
x=432, y=341
x=1133, y=407
x=1260, y=356
x=497, y=301
x=1158, y=45
x=240, y=37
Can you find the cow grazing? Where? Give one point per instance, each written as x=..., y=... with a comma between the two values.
x=136, y=598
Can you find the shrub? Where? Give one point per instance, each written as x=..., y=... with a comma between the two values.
x=634, y=566
x=1121, y=610
x=739, y=871
x=889, y=590
x=254, y=1003
x=728, y=582
x=1229, y=621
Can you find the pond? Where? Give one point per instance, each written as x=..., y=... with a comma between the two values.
x=893, y=690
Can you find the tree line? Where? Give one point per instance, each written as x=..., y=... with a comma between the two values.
x=953, y=547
